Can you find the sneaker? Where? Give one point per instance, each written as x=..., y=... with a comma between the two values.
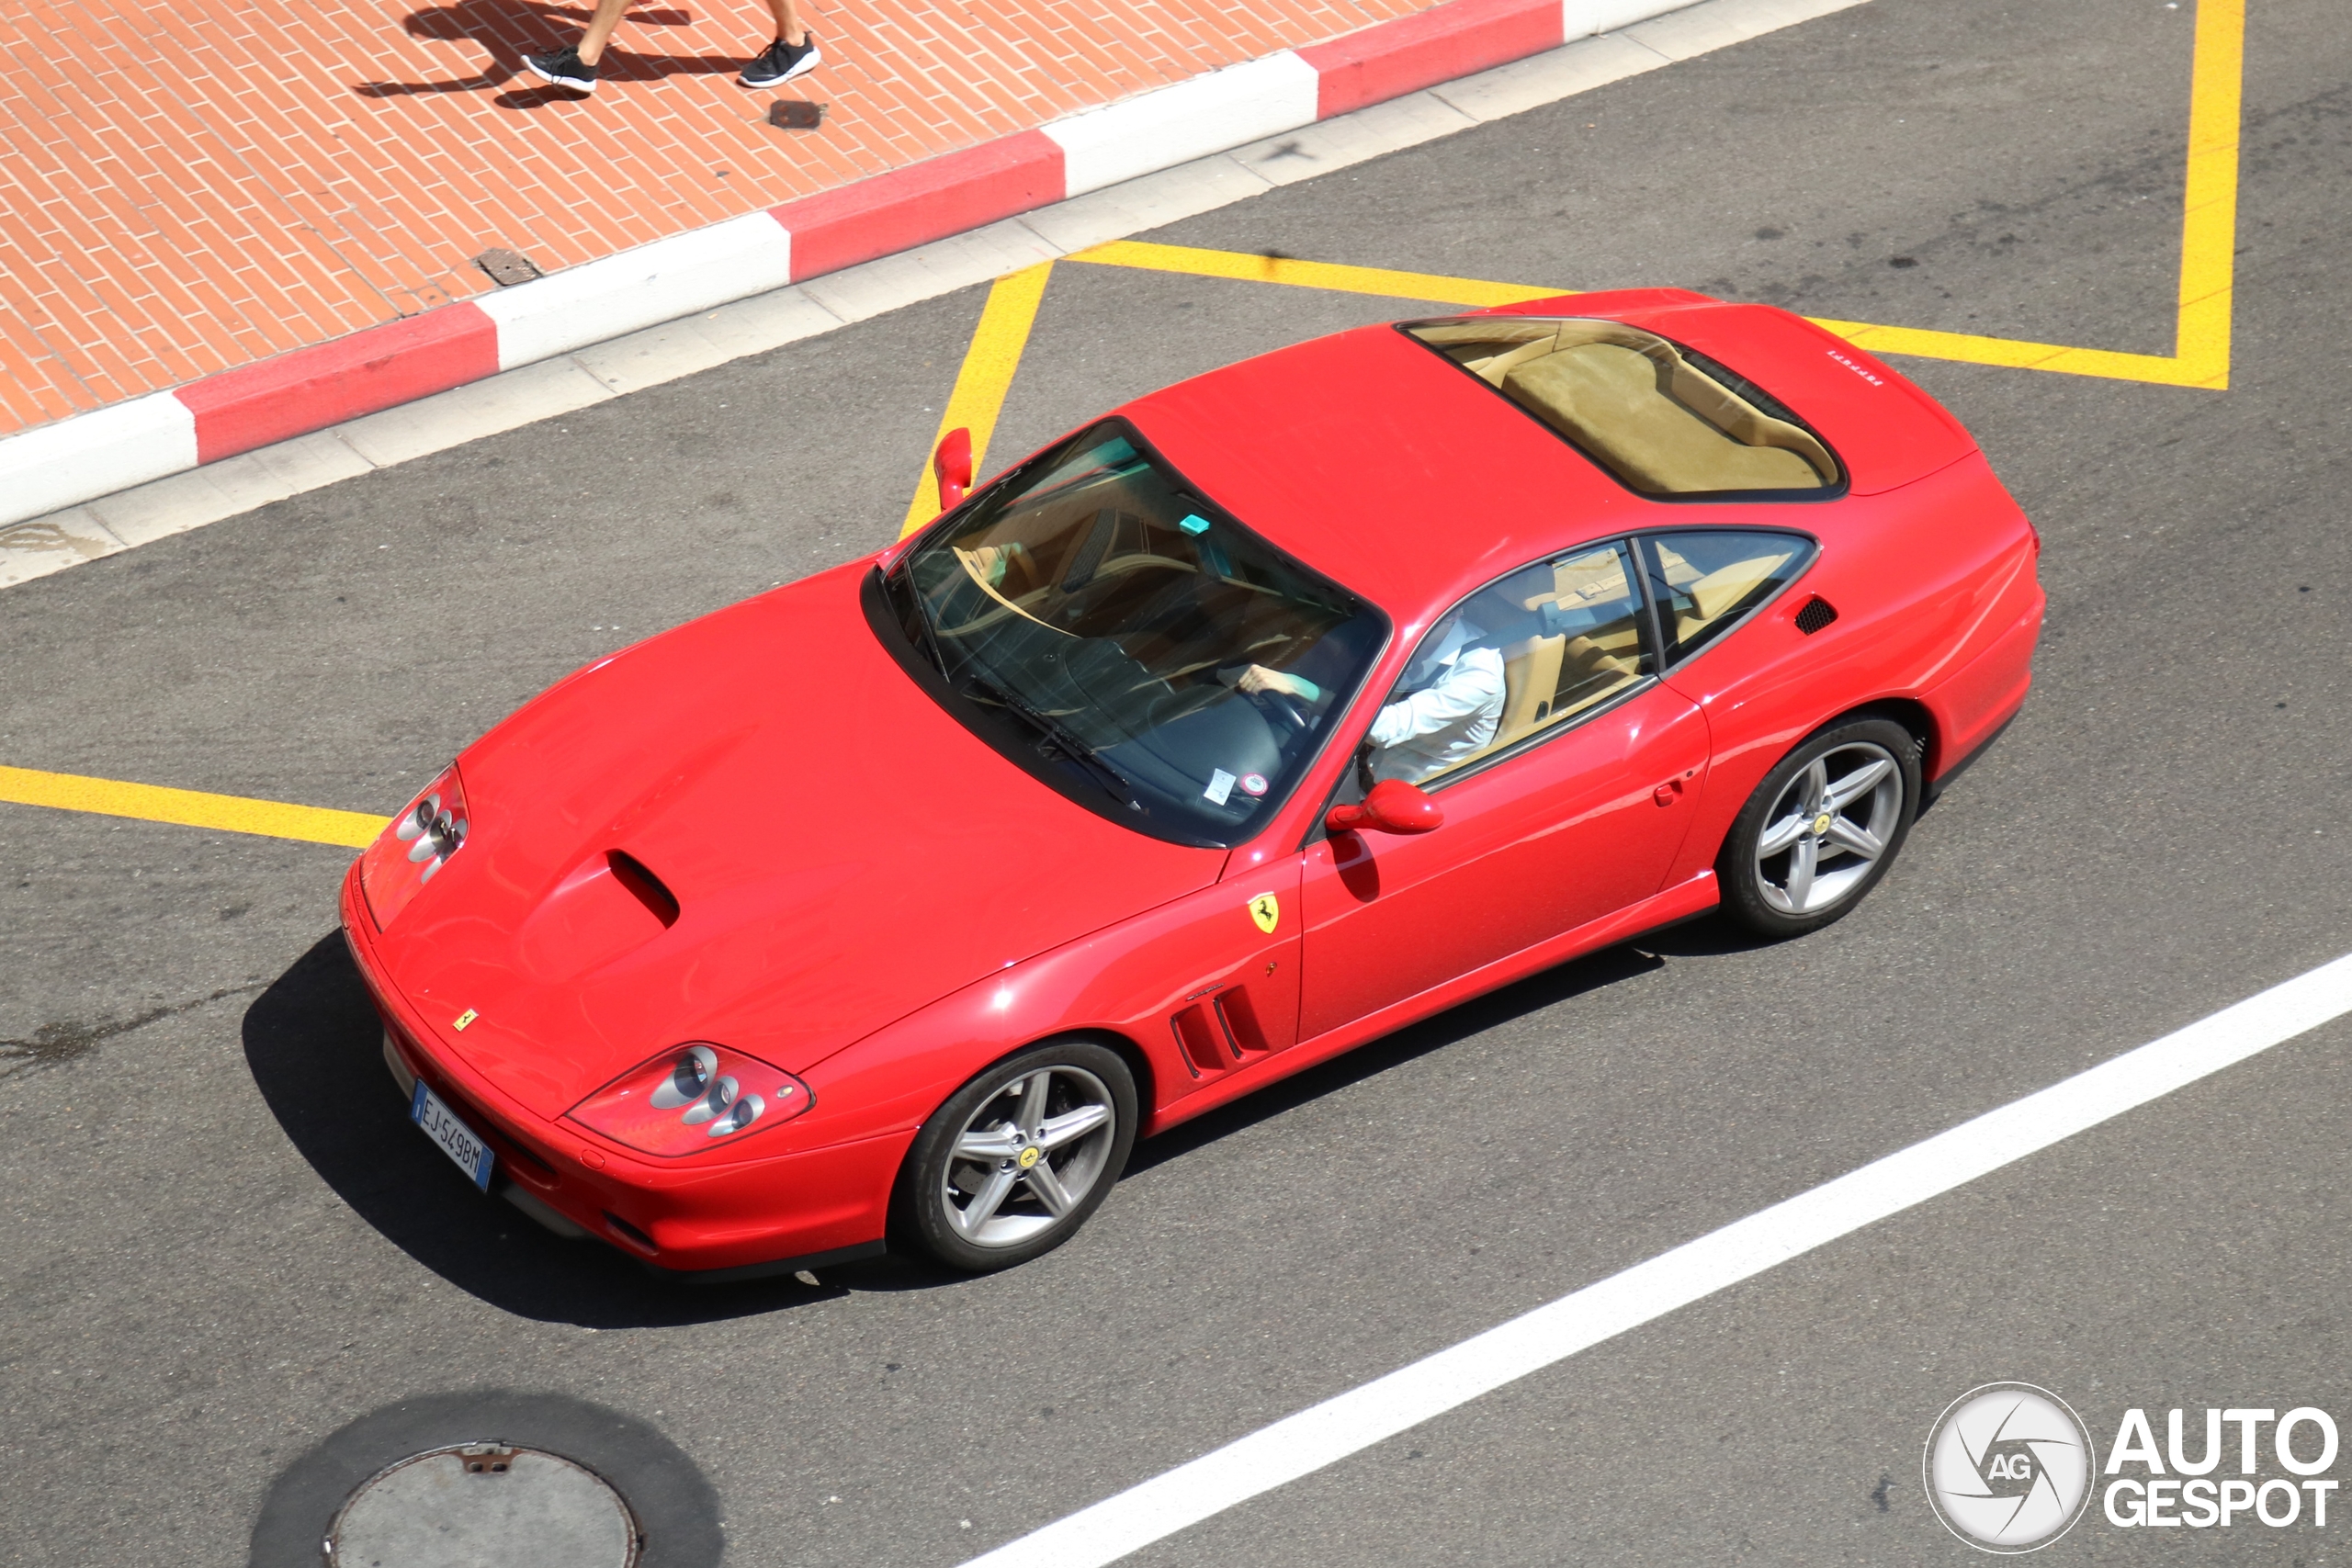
x=782, y=62
x=564, y=68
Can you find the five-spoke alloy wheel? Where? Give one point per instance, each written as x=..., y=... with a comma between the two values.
x=1017, y=1159
x=1821, y=827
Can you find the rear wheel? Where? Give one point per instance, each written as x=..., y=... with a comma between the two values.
x=1822, y=828
x=1017, y=1158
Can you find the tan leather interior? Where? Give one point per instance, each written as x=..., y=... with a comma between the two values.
x=1629, y=399
x=1720, y=592
x=980, y=565
x=1611, y=652
x=1547, y=678
x=1717, y=593
x=1584, y=579
x=1531, y=679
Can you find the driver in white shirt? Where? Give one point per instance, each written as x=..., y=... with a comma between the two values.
x=1454, y=701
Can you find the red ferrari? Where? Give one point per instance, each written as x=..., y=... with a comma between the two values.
x=1265, y=714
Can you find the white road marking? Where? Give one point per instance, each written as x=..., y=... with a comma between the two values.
x=1324, y=1434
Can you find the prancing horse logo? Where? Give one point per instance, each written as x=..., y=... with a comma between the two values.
x=1266, y=911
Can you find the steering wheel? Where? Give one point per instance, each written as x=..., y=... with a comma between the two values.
x=1281, y=708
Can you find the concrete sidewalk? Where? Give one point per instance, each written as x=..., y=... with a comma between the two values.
x=200, y=186
x=293, y=251
x=192, y=187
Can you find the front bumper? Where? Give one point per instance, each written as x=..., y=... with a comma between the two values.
x=822, y=1203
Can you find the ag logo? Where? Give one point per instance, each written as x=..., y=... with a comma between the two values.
x=1266, y=911
x=2008, y=1467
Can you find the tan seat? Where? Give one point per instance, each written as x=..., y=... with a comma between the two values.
x=1607, y=398
x=1631, y=399
x=1719, y=593
x=1592, y=667
x=1530, y=677
x=1614, y=652
x=980, y=565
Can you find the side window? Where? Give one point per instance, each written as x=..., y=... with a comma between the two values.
x=1705, y=580
x=1519, y=656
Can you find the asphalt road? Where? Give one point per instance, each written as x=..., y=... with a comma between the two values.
x=223, y=1243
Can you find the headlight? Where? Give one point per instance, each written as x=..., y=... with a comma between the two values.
x=691, y=1097
x=419, y=842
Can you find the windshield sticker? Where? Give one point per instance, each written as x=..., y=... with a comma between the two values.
x=1220, y=787
x=1194, y=523
x=1253, y=783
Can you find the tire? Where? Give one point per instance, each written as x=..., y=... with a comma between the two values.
x=979, y=1214
x=1800, y=853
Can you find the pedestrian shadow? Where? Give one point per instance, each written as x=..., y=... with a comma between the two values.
x=510, y=29
x=315, y=1049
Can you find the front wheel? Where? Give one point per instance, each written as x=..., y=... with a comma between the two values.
x=1017, y=1158
x=1822, y=828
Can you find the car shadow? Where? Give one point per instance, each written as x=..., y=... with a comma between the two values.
x=1609, y=966
x=314, y=1047
x=509, y=29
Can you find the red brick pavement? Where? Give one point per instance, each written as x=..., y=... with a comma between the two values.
x=189, y=188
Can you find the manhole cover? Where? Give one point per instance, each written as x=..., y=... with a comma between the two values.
x=484, y=1506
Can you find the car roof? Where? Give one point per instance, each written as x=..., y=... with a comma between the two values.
x=1382, y=465
x=1410, y=482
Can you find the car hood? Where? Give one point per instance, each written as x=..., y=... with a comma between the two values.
x=839, y=853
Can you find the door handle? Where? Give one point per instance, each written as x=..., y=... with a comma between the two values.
x=1667, y=793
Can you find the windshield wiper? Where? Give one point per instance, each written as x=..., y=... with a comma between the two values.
x=1064, y=740
x=923, y=613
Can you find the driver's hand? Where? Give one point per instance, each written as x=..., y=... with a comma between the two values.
x=1258, y=678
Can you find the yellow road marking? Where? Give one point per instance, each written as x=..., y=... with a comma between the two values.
x=2209, y=227
x=2201, y=358
x=190, y=809
x=1333, y=276
x=2209, y=240
x=980, y=385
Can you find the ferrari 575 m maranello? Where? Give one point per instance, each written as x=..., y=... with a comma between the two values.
x=1261, y=717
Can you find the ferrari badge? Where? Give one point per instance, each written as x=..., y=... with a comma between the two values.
x=464, y=1019
x=1266, y=912
x=1029, y=1156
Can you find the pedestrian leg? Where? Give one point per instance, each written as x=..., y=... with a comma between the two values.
x=792, y=53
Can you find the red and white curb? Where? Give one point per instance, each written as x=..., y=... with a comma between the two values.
x=80, y=459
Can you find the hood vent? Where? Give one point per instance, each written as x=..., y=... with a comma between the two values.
x=644, y=887
x=1817, y=614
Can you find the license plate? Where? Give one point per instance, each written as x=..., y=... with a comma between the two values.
x=457, y=1140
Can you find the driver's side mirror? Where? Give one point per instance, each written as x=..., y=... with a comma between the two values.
x=952, y=464
x=1392, y=806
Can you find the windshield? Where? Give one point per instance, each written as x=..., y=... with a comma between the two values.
x=1170, y=668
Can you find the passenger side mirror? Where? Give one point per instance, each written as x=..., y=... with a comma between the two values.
x=952, y=464
x=1392, y=806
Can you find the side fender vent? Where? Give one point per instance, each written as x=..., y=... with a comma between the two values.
x=1200, y=1039
x=1240, y=1021
x=1817, y=613
x=644, y=887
